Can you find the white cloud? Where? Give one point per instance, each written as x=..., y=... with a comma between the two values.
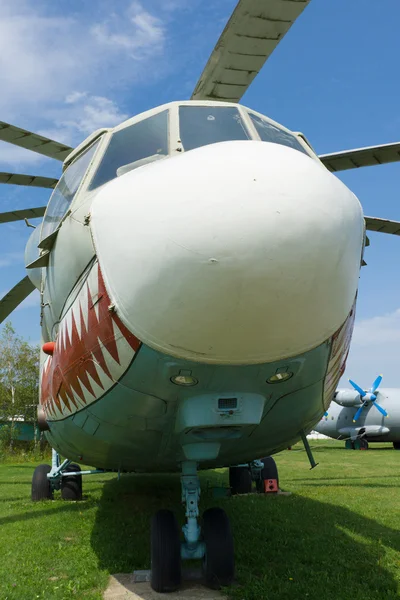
x=60, y=74
x=18, y=157
x=88, y=113
x=143, y=33
x=375, y=349
x=378, y=330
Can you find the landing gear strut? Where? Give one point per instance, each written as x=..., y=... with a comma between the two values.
x=263, y=472
x=212, y=543
x=65, y=476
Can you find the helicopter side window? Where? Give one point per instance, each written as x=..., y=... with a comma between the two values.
x=65, y=191
x=132, y=147
x=203, y=125
x=271, y=133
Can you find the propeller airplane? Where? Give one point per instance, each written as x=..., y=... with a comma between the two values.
x=356, y=416
x=198, y=268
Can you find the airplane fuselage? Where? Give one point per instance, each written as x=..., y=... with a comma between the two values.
x=371, y=424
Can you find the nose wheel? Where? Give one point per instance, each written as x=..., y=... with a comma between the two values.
x=212, y=543
x=218, y=561
x=165, y=552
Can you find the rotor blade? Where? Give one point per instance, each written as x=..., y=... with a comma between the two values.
x=357, y=387
x=382, y=225
x=14, y=297
x=361, y=157
x=28, y=180
x=381, y=410
x=20, y=215
x=250, y=36
x=376, y=384
x=33, y=141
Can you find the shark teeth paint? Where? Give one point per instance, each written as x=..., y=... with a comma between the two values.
x=93, y=349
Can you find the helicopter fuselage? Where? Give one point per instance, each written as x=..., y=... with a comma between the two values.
x=198, y=277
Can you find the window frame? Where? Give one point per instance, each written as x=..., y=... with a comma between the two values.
x=253, y=128
x=210, y=104
x=171, y=124
x=82, y=186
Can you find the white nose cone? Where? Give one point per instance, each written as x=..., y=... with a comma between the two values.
x=238, y=252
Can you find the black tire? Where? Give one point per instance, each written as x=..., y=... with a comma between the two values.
x=219, y=559
x=270, y=471
x=41, y=487
x=240, y=480
x=166, y=572
x=396, y=445
x=71, y=485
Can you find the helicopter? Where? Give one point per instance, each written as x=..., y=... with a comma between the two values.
x=198, y=268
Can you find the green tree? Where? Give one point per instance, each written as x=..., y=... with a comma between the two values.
x=19, y=381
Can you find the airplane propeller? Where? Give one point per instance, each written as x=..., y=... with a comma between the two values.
x=368, y=397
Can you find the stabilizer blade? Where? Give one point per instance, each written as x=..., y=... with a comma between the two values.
x=251, y=35
x=33, y=141
x=10, y=301
x=20, y=215
x=28, y=180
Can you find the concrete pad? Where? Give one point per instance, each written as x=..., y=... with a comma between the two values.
x=123, y=587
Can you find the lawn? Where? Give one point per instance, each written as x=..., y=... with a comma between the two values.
x=336, y=537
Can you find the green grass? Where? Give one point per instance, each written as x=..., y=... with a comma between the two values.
x=336, y=537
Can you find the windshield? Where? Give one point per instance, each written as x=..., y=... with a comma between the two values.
x=202, y=125
x=272, y=133
x=65, y=191
x=144, y=139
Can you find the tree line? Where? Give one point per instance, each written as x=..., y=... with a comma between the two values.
x=19, y=386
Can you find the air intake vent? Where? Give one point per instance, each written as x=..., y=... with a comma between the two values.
x=227, y=403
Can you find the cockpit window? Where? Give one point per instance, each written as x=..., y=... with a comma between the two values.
x=147, y=139
x=65, y=191
x=202, y=125
x=271, y=133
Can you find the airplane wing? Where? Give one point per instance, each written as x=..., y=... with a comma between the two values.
x=14, y=297
x=33, y=141
x=361, y=157
x=250, y=36
x=28, y=180
x=20, y=215
x=382, y=225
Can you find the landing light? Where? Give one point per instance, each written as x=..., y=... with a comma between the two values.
x=186, y=380
x=279, y=377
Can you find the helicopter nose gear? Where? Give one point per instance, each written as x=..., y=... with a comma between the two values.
x=231, y=256
x=368, y=397
x=212, y=542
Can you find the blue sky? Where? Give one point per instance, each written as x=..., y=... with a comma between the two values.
x=69, y=68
